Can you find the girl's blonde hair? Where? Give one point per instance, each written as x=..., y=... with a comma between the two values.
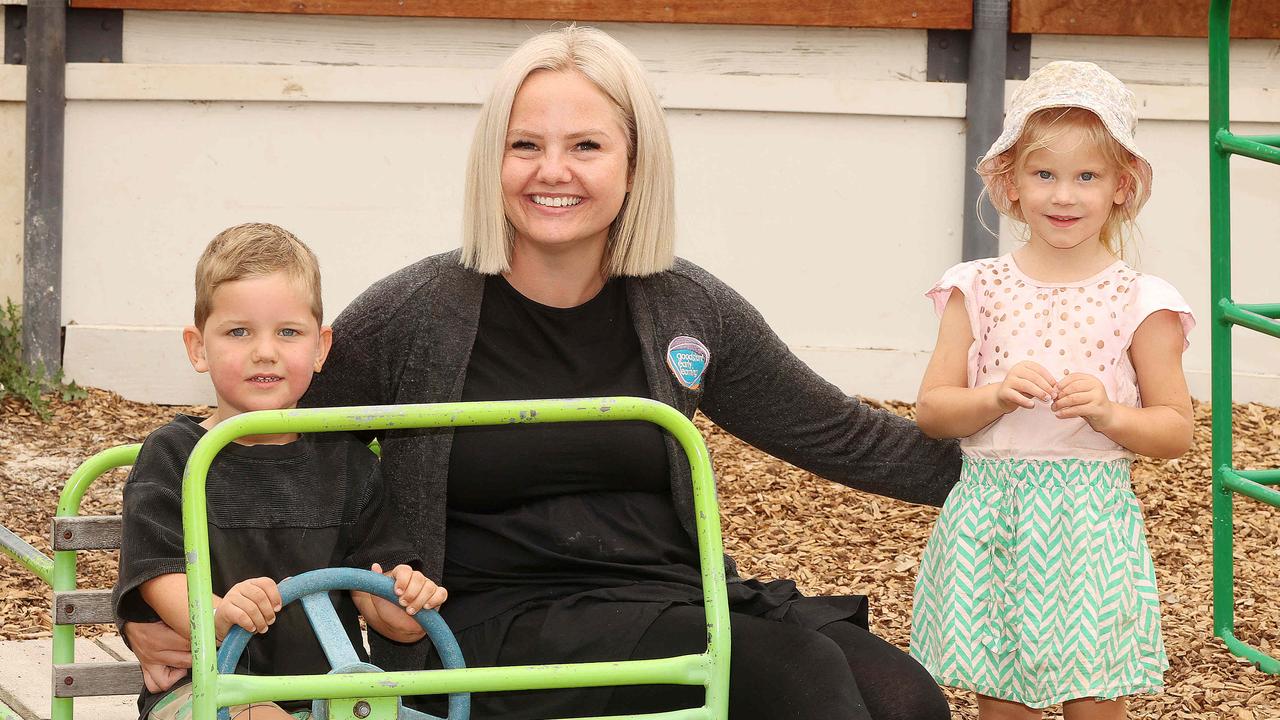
x=1042, y=128
x=642, y=237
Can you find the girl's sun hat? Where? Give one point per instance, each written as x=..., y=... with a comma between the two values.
x=1068, y=83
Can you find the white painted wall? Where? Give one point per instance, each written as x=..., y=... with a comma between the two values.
x=817, y=173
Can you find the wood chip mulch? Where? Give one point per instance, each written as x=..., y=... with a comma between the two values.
x=780, y=521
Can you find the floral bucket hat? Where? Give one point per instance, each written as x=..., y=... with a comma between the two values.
x=1067, y=83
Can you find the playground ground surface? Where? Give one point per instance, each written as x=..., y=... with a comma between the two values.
x=780, y=521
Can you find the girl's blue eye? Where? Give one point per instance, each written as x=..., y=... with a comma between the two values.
x=522, y=145
x=1044, y=175
x=1087, y=176
x=238, y=332
x=588, y=145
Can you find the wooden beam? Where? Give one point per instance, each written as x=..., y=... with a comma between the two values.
x=87, y=679
x=1158, y=18
x=83, y=607
x=86, y=532
x=924, y=14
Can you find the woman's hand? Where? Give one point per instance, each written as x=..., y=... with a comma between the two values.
x=1082, y=395
x=1025, y=383
x=416, y=592
x=165, y=655
x=251, y=604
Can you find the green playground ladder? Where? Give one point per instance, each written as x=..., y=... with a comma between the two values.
x=1228, y=480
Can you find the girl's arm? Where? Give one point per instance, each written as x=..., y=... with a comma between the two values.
x=1163, y=426
x=946, y=407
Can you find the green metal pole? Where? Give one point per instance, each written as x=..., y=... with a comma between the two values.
x=710, y=669
x=64, y=561
x=1220, y=328
x=8, y=714
x=26, y=554
x=1249, y=147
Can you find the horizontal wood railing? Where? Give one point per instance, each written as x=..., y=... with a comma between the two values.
x=940, y=14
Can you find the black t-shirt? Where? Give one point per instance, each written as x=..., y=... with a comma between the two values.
x=563, y=542
x=542, y=511
x=274, y=511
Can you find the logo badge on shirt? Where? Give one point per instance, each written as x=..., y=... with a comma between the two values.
x=688, y=359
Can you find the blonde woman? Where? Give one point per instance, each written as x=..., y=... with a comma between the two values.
x=575, y=543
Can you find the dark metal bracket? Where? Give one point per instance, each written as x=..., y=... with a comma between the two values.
x=93, y=36
x=948, y=56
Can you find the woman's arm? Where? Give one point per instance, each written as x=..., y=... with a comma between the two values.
x=763, y=394
x=163, y=653
x=1163, y=426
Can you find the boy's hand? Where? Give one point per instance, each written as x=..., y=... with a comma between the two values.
x=159, y=678
x=1025, y=383
x=394, y=620
x=416, y=590
x=1082, y=395
x=251, y=604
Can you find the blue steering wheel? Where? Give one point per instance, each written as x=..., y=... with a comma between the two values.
x=313, y=589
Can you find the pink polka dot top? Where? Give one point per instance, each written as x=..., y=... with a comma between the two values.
x=1084, y=326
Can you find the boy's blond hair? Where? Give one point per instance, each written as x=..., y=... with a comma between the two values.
x=253, y=250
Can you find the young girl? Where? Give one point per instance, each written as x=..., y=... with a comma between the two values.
x=1056, y=364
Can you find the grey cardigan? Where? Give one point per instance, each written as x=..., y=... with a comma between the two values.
x=408, y=339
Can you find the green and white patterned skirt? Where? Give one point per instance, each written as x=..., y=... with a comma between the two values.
x=1037, y=586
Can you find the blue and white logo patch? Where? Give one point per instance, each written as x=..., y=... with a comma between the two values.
x=688, y=359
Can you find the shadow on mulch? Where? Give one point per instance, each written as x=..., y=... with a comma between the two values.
x=780, y=521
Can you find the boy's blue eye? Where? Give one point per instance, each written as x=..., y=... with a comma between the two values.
x=238, y=332
x=289, y=332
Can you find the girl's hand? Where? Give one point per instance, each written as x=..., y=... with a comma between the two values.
x=1025, y=383
x=1082, y=395
x=251, y=604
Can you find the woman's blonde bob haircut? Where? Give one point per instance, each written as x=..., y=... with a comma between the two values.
x=642, y=237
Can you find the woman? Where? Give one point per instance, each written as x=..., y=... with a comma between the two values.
x=564, y=543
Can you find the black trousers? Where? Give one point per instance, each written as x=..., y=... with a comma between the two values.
x=780, y=671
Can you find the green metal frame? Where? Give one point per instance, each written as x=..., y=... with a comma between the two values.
x=709, y=669
x=1228, y=480
x=60, y=571
x=63, y=575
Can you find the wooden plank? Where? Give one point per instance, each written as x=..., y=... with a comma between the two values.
x=85, y=679
x=945, y=14
x=169, y=38
x=97, y=532
x=83, y=607
x=1152, y=18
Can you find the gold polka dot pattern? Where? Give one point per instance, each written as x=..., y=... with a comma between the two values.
x=1065, y=328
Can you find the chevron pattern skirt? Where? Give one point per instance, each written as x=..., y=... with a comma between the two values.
x=1037, y=586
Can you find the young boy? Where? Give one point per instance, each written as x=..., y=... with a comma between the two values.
x=279, y=505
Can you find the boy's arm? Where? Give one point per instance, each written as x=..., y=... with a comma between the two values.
x=251, y=604
x=167, y=596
